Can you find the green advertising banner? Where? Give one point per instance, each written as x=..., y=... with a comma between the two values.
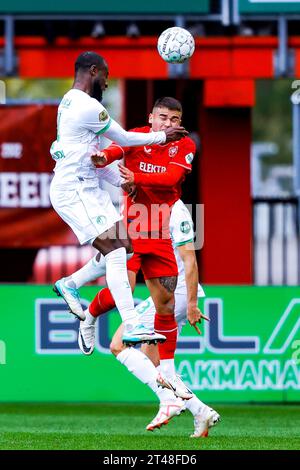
x=269, y=6
x=249, y=351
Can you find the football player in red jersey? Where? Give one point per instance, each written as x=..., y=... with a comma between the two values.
x=158, y=173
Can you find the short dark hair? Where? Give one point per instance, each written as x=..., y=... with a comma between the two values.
x=169, y=103
x=86, y=59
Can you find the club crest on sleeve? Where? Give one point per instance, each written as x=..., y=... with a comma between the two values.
x=189, y=158
x=173, y=151
x=185, y=226
x=103, y=115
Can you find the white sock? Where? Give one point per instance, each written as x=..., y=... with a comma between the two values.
x=167, y=367
x=164, y=393
x=118, y=284
x=89, y=318
x=142, y=368
x=196, y=406
x=89, y=272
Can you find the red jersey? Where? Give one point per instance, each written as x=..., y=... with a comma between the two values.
x=157, y=200
x=155, y=159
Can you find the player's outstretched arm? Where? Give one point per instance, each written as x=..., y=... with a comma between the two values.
x=96, y=119
x=133, y=139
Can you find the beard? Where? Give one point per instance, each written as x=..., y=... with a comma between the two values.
x=97, y=93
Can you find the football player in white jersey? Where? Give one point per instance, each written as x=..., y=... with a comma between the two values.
x=76, y=196
x=75, y=192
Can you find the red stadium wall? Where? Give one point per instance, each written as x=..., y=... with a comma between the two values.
x=225, y=192
x=236, y=57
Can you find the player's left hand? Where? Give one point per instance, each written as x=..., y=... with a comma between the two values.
x=99, y=158
x=195, y=316
x=126, y=174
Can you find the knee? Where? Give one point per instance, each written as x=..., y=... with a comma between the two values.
x=166, y=305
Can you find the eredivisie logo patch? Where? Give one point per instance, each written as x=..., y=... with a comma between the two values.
x=103, y=115
x=189, y=158
x=185, y=226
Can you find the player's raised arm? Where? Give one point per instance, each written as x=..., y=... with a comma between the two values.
x=96, y=118
x=116, y=133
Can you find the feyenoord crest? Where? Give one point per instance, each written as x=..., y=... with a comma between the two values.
x=173, y=151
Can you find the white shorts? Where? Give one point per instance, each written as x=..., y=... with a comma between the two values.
x=85, y=207
x=146, y=311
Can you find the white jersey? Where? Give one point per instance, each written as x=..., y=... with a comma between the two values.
x=80, y=122
x=74, y=190
x=182, y=232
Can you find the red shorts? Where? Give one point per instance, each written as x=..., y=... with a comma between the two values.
x=154, y=257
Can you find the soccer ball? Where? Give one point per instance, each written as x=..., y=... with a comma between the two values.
x=175, y=45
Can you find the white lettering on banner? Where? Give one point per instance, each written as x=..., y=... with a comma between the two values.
x=11, y=150
x=150, y=168
x=285, y=330
x=244, y=368
x=25, y=189
x=240, y=375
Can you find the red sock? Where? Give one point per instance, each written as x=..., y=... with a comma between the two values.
x=102, y=303
x=167, y=326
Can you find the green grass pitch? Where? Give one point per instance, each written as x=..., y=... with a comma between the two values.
x=122, y=426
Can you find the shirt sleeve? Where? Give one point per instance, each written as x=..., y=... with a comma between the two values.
x=185, y=154
x=181, y=225
x=95, y=117
x=111, y=175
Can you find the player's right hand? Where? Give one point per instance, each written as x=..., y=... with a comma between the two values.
x=99, y=158
x=175, y=133
x=194, y=316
